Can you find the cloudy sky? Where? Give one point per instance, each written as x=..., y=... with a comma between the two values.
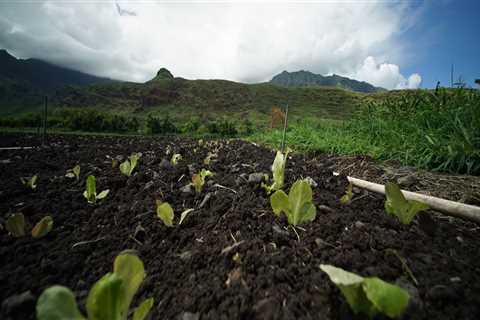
x=385, y=43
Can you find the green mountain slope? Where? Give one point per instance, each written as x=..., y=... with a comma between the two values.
x=308, y=79
x=209, y=99
x=42, y=75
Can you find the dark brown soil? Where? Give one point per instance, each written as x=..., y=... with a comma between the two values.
x=277, y=275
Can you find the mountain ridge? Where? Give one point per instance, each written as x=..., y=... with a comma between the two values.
x=32, y=71
x=304, y=78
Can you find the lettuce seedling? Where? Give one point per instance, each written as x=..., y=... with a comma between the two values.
x=297, y=206
x=198, y=180
x=165, y=213
x=175, y=158
x=369, y=296
x=16, y=225
x=108, y=299
x=74, y=172
x=91, y=191
x=278, y=172
x=209, y=158
x=43, y=227
x=347, y=197
x=129, y=165
x=396, y=204
x=30, y=182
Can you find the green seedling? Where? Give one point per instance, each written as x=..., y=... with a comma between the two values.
x=396, y=204
x=209, y=158
x=74, y=172
x=176, y=158
x=43, y=227
x=30, y=183
x=369, y=296
x=165, y=213
x=278, y=172
x=91, y=191
x=198, y=180
x=108, y=299
x=297, y=206
x=129, y=165
x=16, y=225
x=347, y=197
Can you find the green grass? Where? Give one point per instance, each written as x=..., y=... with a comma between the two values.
x=431, y=130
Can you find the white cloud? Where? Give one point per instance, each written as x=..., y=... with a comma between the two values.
x=386, y=75
x=242, y=41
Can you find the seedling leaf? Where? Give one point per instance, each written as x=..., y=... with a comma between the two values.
x=387, y=298
x=16, y=225
x=368, y=295
x=103, y=194
x=165, y=213
x=176, y=158
x=127, y=167
x=279, y=202
x=108, y=299
x=105, y=299
x=91, y=191
x=396, y=204
x=142, y=310
x=130, y=269
x=198, y=180
x=347, y=197
x=57, y=303
x=43, y=227
x=298, y=206
x=74, y=172
x=30, y=182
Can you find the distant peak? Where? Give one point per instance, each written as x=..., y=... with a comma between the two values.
x=163, y=74
x=5, y=55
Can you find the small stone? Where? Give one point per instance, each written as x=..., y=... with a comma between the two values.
x=165, y=164
x=148, y=185
x=415, y=305
x=325, y=208
x=311, y=182
x=359, y=224
x=185, y=255
x=459, y=239
x=187, y=189
x=190, y=316
x=140, y=233
x=24, y=300
x=256, y=177
x=407, y=181
x=280, y=231
x=266, y=309
x=441, y=292
x=455, y=279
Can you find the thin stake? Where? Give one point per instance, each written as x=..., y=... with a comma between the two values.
x=284, y=129
x=45, y=121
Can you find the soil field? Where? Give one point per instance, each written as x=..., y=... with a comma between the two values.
x=191, y=270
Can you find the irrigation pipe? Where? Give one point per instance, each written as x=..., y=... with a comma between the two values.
x=451, y=208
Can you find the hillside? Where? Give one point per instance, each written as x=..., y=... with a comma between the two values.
x=41, y=75
x=308, y=79
x=209, y=99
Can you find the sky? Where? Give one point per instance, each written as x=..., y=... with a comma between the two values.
x=392, y=44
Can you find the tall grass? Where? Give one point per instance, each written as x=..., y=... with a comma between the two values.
x=436, y=130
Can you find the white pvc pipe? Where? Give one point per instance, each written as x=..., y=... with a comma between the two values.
x=452, y=208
